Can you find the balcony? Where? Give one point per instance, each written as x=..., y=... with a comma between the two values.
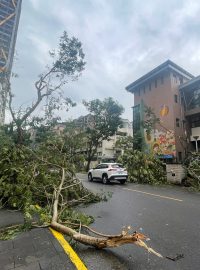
x=193, y=111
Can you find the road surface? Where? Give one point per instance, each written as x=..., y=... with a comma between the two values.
x=169, y=216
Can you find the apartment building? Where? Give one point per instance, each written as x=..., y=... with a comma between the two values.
x=107, y=150
x=173, y=94
x=9, y=19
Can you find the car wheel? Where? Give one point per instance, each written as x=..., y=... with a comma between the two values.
x=122, y=182
x=105, y=179
x=90, y=177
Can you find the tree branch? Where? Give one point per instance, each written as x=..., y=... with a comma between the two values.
x=105, y=241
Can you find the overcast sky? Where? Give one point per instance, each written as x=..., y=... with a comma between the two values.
x=122, y=40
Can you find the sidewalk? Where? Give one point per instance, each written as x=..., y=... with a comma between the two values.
x=8, y=218
x=33, y=250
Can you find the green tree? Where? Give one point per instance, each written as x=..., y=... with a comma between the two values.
x=129, y=142
x=67, y=64
x=124, y=142
x=143, y=168
x=192, y=165
x=104, y=122
x=137, y=141
x=150, y=119
x=73, y=139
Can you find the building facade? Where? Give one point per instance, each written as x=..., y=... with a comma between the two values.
x=167, y=89
x=107, y=150
x=9, y=19
x=190, y=95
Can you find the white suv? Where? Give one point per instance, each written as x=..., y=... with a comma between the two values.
x=108, y=172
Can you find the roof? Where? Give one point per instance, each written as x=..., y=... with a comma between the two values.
x=190, y=83
x=166, y=65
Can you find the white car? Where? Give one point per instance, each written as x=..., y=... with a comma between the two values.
x=108, y=172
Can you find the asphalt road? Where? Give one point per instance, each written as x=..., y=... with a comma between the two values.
x=169, y=216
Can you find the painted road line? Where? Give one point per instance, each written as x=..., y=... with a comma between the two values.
x=155, y=195
x=69, y=250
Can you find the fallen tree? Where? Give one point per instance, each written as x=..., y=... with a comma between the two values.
x=105, y=241
x=46, y=187
x=143, y=167
x=192, y=164
x=40, y=179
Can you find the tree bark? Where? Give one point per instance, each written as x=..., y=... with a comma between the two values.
x=104, y=241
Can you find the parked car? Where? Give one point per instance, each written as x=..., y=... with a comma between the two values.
x=108, y=172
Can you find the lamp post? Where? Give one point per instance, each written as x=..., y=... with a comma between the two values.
x=196, y=138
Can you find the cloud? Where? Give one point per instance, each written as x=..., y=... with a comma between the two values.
x=41, y=48
x=35, y=4
x=122, y=40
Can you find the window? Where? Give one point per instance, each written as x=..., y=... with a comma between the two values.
x=144, y=89
x=136, y=118
x=181, y=79
x=175, y=77
x=99, y=166
x=176, y=98
x=162, y=80
x=195, y=121
x=150, y=87
x=196, y=99
x=155, y=83
x=177, y=122
x=104, y=166
x=138, y=92
x=100, y=144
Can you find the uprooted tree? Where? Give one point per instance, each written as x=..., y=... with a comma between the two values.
x=192, y=164
x=42, y=183
x=41, y=180
x=143, y=168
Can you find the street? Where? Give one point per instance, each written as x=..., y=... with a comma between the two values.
x=168, y=215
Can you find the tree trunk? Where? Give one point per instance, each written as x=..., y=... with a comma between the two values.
x=104, y=241
x=89, y=159
x=91, y=154
x=88, y=165
x=20, y=138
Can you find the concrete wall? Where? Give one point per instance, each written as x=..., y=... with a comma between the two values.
x=175, y=173
x=195, y=132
